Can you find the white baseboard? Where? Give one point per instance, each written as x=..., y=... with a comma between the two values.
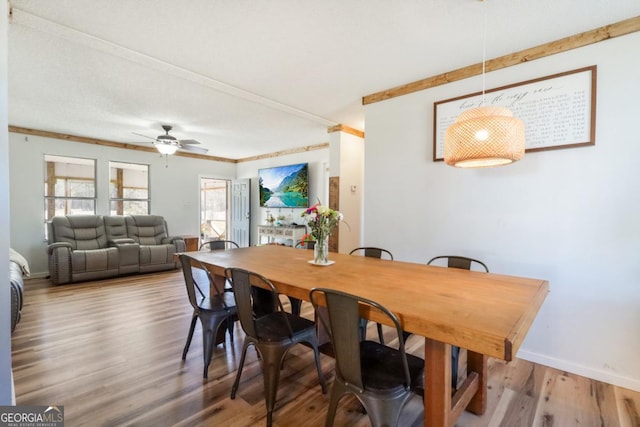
x=585, y=371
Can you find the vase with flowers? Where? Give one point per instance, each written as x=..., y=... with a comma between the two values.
x=321, y=220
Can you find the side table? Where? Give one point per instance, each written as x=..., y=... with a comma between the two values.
x=192, y=243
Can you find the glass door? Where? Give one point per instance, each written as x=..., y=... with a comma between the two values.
x=214, y=197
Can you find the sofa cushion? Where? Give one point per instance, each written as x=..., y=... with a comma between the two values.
x=156, y=254
x=146, y=229
x=115, y=227
x=82, y=232
x=95, y=260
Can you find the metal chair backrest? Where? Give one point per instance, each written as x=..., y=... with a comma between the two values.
x=213, y=245
x=344, y=329
x=373, y=252
x=255, y=296
x=461, y=262
x=191, y=284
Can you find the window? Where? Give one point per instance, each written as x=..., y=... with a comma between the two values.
x=69, y=186
x=128, y=188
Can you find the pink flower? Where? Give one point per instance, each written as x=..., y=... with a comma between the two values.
x=313, y=208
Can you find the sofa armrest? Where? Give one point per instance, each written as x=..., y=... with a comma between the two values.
x=129, y=255
x=59, y=262
x=52, y=247
x=177, y=241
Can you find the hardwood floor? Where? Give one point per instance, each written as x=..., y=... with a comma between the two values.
x=110, y=352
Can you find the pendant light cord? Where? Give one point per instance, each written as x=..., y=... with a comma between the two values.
x=484, y=47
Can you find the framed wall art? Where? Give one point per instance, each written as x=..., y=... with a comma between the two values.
x=559, y=111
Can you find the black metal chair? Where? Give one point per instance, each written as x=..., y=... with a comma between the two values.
x=272, y=333
x=372, y=252
x=464, y=263
x=216, y=244
x=381, y=377
x=212, y=311
x=202, y=275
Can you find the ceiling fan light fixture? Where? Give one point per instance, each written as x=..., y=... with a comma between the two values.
x=169, y=144
x=166, y=148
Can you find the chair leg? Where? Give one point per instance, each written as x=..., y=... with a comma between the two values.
x=337, y=391
x=230, y=326
x=236, y=383
x=194, y=319
x=380, y=337
x=207, y=343
x=363, y=329
x=455, y=356
x=207, y=350
x=316, y=352
x=210, y=326
x=271, y=361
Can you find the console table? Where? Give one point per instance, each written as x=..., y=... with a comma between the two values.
x=273, y=232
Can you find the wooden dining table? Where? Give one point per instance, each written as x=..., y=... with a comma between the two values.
x=487, y=314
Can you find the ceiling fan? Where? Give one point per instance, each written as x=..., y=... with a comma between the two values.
x=168, y=144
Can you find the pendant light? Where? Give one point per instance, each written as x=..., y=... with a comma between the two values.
x=484, y=136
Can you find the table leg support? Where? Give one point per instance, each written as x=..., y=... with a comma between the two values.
x=477, y=363
x=441, y=408
x=437, y=384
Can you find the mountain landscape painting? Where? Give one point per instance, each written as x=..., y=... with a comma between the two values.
x=284, y=186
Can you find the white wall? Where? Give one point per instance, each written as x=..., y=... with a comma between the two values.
x=174, y=189
x=569, y=216
x=347, y=162
x=318, y=184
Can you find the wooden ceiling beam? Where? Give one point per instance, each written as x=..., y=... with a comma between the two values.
x=617, y=29
x=304, y=149
x=346, y=129
x=105, y=143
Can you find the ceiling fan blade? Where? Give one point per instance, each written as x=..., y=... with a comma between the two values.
x=145, y=136
x=193, y=149
x=188, y=141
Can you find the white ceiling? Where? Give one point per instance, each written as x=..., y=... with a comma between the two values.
x=251, y=77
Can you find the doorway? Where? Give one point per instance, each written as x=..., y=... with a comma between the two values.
x=214, y=215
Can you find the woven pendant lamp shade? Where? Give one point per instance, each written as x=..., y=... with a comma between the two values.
x=484, y=137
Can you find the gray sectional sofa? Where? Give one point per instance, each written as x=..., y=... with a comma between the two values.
x=88, y=247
